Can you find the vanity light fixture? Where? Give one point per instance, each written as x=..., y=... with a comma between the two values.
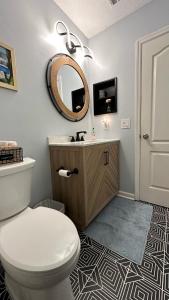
x=72, y=45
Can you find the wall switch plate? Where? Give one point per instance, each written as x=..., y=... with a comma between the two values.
x=125, y=123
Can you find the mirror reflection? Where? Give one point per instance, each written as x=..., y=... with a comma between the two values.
x=71, y=88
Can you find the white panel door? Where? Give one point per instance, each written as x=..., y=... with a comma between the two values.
x=154, y=164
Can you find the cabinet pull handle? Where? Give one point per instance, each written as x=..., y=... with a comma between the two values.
x=106, y=158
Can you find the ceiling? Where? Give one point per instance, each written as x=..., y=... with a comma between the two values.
x=94, y=16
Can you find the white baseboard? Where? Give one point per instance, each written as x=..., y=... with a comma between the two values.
x=126, y=195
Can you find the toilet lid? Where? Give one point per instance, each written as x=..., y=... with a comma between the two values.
x=41, y=240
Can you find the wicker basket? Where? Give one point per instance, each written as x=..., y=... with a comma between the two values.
x=10, y=155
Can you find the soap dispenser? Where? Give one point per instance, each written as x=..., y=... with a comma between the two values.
x=93, y=134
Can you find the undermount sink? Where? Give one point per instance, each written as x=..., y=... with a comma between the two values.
x=55, y=141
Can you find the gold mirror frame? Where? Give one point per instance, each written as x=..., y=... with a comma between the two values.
x=53, y=68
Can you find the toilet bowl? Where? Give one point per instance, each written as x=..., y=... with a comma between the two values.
x=39, y=248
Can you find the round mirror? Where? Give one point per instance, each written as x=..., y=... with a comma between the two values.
x=67, y=87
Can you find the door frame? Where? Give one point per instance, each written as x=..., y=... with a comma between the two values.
x=137, y=121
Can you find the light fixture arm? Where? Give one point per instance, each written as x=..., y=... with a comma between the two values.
x=89, y=52
x=67, y=32
x=80, y=42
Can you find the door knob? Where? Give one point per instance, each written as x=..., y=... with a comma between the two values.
x=145, y=136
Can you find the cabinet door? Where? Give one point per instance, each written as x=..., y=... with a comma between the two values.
x=102, y=176
x=70, y=190
x=113, y=166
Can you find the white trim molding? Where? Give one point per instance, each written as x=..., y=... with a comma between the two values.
x=126, y=195
x=138, y=57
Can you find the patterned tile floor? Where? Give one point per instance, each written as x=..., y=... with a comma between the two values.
x=102, y=274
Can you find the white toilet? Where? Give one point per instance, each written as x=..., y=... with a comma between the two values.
x=39, y=247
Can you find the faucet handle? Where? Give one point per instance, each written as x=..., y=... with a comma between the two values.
x=72, y=138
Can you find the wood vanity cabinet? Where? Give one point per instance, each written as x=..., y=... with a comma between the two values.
x=97, y=182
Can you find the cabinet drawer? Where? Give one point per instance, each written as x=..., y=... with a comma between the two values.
x=102, y=176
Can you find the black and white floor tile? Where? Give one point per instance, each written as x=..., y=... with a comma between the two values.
x=102, y=274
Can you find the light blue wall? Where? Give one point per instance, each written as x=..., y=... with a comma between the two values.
x=28, y=115
x=114, y=50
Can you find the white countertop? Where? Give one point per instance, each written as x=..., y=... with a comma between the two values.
x=52, y=141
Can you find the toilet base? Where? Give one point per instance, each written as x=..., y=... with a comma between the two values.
x=60, y=291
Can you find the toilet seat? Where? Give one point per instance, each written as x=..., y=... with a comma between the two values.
x=41, y=240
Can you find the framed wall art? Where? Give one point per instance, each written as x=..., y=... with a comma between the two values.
x=7, y=67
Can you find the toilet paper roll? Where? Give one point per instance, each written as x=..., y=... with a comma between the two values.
x=64, y=173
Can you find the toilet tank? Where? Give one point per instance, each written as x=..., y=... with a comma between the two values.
x=15, y=187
